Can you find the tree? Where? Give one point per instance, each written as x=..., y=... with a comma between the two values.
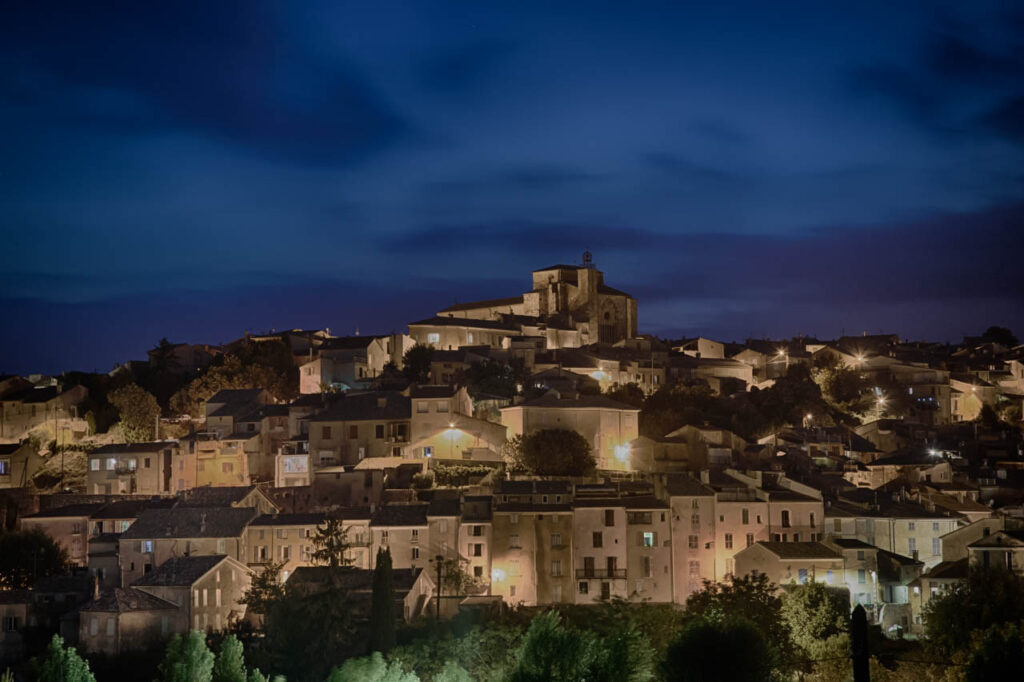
x=382, y=609
x=372, y=668
x=750, y=598
x=331, y=545
x=552, y=652
x=728, y=649
x=999, y=655
x=814, y=613
x=265, y=589
x=491, y=377
x=455, y=579
x=416, y=363
x=453, y=672
x=229, y=666
x=27, y=555
x=630, y=394
x=59, y=664
x=1000, y=335
x=188, y=659
x=557, y=452
x=139, y=413
x=989, y=596
x=623, y=656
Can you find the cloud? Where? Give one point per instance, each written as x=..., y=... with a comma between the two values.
x=231, y=71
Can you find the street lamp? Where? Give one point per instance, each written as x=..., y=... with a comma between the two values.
x=881, y=403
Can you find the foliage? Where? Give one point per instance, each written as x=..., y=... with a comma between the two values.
x=552, y=652
x=493, y=377
x=372, y=668
x=267, y=365
x=720, y=650
x=330, y=545
x=382, y=609
x=630, y=394
x=453, y=672
x=305, y=635
x=989, y=596
x=658, y=623
x=416, y=363
x=486, y=653
x=27, y=555
x=624, y=656
x=455, y=578
x=229, y=666
x=999, y=655
x=750, y=598
x=557, y=452
x=139, y=412
x=1000, y=335
x=188, y=659
x=422, y=480
x=512, y=454
x=459, y=474
x=814, y=613
x=265, y=589
x=59, y=664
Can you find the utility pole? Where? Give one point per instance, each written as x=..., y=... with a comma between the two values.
x=859, y=645
x=437, y=612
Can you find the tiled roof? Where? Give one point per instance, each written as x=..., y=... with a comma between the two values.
x=234, y=395
x=683, y=485
x=71, y=510
x=531, y=507
x=800, y=550
x=443, y=508
x=365, y=406
x=949, y=570
x=307, y=519
x=180, y=571
x=211, y=496
x=130, y=509
x=400, y=515
x=190, y=522
x=130, y=448
x=127, y=600
x=354, y=579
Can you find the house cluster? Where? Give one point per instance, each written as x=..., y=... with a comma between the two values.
x=890, y=511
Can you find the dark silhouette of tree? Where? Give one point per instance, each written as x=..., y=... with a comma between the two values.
x=989, y=596
x=416, y=363
x=1000, y=335
x=556, y=452
x=729, y=649
x=630, y=394
x=265, y=589
x=999, y=655
x=330, y=545
x=382, y=609
x=27, y=555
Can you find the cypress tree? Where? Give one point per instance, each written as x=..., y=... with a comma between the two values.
x=382, y=611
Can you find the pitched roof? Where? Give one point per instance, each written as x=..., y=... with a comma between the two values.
x=354, y=579
x=71, y=510
x=552, y=400
x=131, y=448
x=234, y=395
x=305, y=519
x=400, y=515
x=559, y=266
x=490, y=303
x=211, y=496
x=180, y=571
x=130, y=509
x=443, y=507
x=366, y=406
x=190, y=522
x=463, y=322
x=416, y=391
x=949, y=570
x=684, y=485
x=127, y=600
x=800, y=550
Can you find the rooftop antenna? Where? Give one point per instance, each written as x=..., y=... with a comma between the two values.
x=588, y=259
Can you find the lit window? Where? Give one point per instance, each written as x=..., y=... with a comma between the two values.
x=433, y=337
x=648, y=539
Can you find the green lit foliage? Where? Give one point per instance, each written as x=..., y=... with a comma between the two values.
x=453, y=672
x=139, y=413
x=229, y=666
x=60, y=664
x=814, y=614
x=188, y=659
x=486, y=653
x=372, y=668
x=550, y=652
x=719, y=650
x=27, y=555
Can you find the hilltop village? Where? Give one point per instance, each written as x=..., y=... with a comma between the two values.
x=538, y=447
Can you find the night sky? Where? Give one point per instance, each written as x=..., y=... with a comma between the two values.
x=743, y=169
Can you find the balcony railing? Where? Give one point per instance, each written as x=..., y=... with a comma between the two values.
x=601, y=573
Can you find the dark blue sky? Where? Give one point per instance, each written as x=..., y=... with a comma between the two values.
x=742, y=168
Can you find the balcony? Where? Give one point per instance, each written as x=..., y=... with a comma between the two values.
x=601, y=573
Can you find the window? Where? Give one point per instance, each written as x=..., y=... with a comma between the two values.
x=912, y=545
x=147, y=546
x=513, y=569
x=94, y=465
x=837, y=525
x=785, y=518
x=325, y=432
x=935, y=526
x=646, y=566
x=477, y=531
x=556, y=539
x=478, y=571
x=513, y=519
x=282, y=533
x=694, y=567
x=860, y=555
x=609, y=517
x=583, y=587
x=556, y=593
x=812, y=520
x=442, y=406
x=750, y=539
x=415, y=536
x=911, y=525
x=746, y=516
x=384, y=537
x=801, y=576
x=936, y=546
x=10, y=623
x=378, y=431
x=415, y=553
x=428, y=450
x=829, y=577
x=111, y=463
x=511, y=590
x=556, y=568
x=647, y=539
x=861, y=575
x=693, y=542
x=353, y=431
x=433, y=337
x=145, y=462
x=598, y=539
x=478, y=549
x=728, y=540
x=422, y=406
x=286, y=552
x=94, y=626
x=216, y=597
x=513, y=542
x=222, y=546
x=110, y=627
x=695, y=521
x=442, y=526
x=695, y=504
x=124, y=525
